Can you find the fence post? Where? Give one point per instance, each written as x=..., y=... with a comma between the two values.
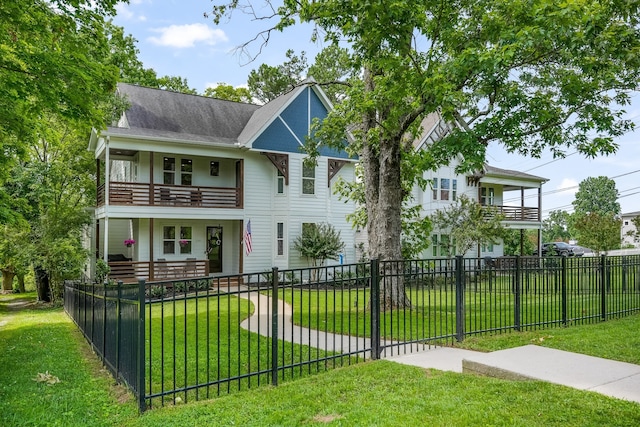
x=603, y=287
x=517, y=295
x=141, y=369
x=563, y=284
x=375, y=309
x=460, y=320
x=104, y=322
x=274, y=326
x=118, y=308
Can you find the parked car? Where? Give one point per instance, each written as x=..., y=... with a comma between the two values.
x=556, y=249
x=581, y=250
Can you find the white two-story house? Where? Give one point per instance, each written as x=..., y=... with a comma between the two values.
x=517, y=195
x=193, y=186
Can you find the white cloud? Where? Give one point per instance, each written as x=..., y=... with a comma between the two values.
x=568, y=186
x=183, y=36
x=123, y=11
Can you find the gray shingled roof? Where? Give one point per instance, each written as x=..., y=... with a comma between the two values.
x=507, y=173
x=165, y=114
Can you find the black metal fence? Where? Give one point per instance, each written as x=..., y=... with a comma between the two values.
x=183, y=340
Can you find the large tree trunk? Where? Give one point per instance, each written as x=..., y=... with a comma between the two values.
x=42, y=284
x=7, y=280
x=21, y=283
x=383, y=197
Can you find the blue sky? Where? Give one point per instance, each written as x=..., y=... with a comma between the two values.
x=175, y=38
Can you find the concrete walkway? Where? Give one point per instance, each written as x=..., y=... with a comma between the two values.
x=530, y=362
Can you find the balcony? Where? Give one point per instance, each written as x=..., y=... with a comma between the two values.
x=141, y=194
x=517, y=213
x=132, y=271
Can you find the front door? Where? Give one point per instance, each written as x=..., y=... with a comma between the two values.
x=214, y=249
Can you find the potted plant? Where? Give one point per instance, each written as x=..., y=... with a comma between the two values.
x=129, y=242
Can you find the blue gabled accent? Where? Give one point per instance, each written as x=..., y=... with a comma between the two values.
x=277, y=137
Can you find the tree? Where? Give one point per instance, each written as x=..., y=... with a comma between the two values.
x=468, y=224
x=599, y=232
x=532, y=75
x=596, y=195
x=318, y=243
x=268, y=82
x=48, y=66
x=333, y=69
x=556, y=226
x=635, y=233
x=14, y=254
x=512, y=239
x=228, y=92
x=55, y=185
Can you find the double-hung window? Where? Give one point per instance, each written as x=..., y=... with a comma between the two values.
x=308, y=178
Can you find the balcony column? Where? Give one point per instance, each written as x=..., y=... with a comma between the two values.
x=540, y=203
x=152, y=190
x=522, y=216
x=107, y=175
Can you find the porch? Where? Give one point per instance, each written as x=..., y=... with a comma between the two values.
x=132, y=271
x=144, y=194
x=516, y=213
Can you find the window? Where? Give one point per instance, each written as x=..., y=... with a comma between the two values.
x=487, y=247
x=441, y=246
x=280, y=238
x=214, y=168
x=626, y=223
x=308, y=179
x=434, y=245
x=444, y=245
x=186, y=171
x=434, y=185
x=185, y=240
x=444, y=189
x=307, y=227
x=169, y=240
x=487, y=196
x=454, y=189
x=280, y=183
x=169, y=168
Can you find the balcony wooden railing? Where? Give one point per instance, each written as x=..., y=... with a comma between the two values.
x=140, y=194
x=516, y=213
x=132, y=271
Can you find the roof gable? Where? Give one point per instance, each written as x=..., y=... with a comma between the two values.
x=283, y=124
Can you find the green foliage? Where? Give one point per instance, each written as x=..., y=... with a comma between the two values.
x=635, y=234
x=533, y=75
x=556, y=226
x=14, y=252
x=511, y=240
x=50, y=64
x=268, y=82
x=468, y=224
x=599, y=232
x=597, y=195
x=228, y=92
x=319, y=242
x=102, y=270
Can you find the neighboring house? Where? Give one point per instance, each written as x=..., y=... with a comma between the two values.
x=517, y=195
x=629, y=227
x=187, y=177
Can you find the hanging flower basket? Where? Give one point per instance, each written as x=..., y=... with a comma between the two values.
x=183, y=242
x=129, y=242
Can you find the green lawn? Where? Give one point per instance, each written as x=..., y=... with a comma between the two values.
x=380, y=393
x=193, y=342
x=489, y=304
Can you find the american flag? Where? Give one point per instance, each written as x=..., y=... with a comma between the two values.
x=247, y=238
